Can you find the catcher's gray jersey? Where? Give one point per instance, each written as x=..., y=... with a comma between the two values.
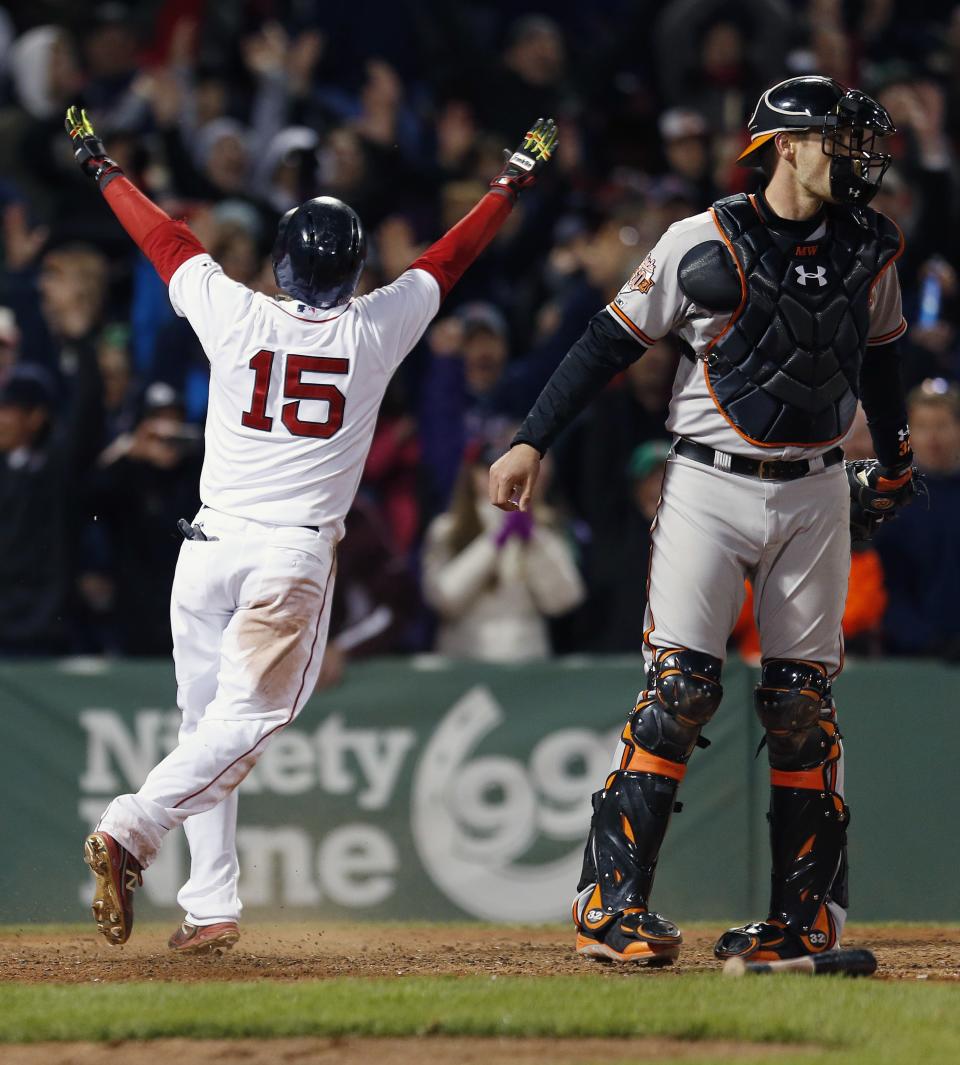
x=652, y=304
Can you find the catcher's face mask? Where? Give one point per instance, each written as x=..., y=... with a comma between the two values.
x=849, y=136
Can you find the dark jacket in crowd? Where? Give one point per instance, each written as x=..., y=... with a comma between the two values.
x=920, y=551
x=140, y=504
x=40, y=518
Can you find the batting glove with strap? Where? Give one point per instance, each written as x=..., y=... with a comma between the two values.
x=522, y=167
x=88, y=149
x=877, y=493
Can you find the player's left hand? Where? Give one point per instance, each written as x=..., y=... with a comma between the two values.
x=88, y=149
x=877, y=494
x=525, y=164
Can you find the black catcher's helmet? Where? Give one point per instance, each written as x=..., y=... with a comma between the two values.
x=319, y=252
x=849, y=122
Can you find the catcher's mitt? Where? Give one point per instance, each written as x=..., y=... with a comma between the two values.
x=877, y=494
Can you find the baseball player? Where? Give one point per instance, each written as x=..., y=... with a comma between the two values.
x=295, y=386
x=788, y=308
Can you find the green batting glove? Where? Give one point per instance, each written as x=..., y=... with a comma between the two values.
x=88, y=149
x=523, y=166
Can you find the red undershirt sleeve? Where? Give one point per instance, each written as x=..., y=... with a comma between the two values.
x=449, y=257
x=166, y=243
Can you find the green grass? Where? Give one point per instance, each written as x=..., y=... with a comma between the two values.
x=834, y=1021
x=842, y=1021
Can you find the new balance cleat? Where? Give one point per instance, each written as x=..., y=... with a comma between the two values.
x=118, y=875
x=205, y=938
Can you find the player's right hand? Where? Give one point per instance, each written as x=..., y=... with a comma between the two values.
x=88, y=149
x=513, y=476
x=523, y=166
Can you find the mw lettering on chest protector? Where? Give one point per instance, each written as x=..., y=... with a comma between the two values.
x=786, y=369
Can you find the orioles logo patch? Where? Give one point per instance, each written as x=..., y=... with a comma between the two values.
x=642, y=279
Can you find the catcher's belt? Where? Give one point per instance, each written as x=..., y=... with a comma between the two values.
x=764, y=469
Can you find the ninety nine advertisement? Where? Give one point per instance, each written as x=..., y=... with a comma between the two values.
x=417, y=789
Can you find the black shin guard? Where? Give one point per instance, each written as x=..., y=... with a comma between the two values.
x=808, y=817
x=808, y=832
x=630, y=818
x=631, y=814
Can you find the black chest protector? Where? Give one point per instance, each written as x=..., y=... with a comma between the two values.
x=787, y=369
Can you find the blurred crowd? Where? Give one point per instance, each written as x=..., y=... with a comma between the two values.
x=229, y=113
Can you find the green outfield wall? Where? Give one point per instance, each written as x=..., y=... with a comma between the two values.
x=430, y=790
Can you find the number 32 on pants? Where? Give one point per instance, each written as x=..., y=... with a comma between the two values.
x=295, y=389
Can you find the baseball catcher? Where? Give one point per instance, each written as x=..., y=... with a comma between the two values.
x=787, y=305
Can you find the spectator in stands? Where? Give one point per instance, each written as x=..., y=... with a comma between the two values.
x=376, y=602
x=44, y=449
x=932, y=346
x=630, y=412
x=59, y=308
x=927, y=207
x=144, y=481
x=531, y=78
x=113, y=358
x=720, y=55
x=402, y=118
x=466, y=392
x=9, y=340
x=686, y=148
x=921, y=549
x=390, y=474
x=619, y=555
x=495, y=578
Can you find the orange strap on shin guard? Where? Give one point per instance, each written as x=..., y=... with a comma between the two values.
x=641, y=761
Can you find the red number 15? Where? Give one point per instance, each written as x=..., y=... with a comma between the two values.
x=296, y=389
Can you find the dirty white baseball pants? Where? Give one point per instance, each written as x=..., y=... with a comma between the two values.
x=249, y=612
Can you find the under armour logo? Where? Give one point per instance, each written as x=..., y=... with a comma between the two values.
x=804, y=275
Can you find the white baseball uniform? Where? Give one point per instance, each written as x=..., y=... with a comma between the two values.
x=294, y=395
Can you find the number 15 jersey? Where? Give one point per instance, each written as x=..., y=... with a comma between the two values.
x=294, y=390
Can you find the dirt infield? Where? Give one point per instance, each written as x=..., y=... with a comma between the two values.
x=294, y=952
x=433, y=1050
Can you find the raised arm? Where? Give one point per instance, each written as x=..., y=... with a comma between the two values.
x=166, y=243
x=399, y=313
x=449, y=257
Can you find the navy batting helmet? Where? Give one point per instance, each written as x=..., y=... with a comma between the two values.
x=319, y=252
x=848, y=120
